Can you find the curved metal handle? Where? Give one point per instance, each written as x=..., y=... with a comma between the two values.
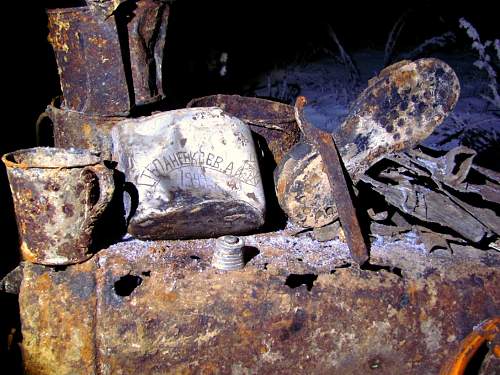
x=106, y=184
x=42, y=116
x=486, y=331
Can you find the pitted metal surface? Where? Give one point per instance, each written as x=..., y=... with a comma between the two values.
x=159, y=307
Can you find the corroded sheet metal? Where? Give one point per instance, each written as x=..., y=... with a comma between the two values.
x=195, y=171
x=69, y=316
x=80, y=130
x=399, y=108
x=90, y=63
x=160, y=308
x=273, y=121
x=147, y=30
x=340, y=183
x=454, y=201
x=58, y=195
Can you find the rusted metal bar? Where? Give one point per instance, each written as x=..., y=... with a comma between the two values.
x=348, y=216
x=160, y=307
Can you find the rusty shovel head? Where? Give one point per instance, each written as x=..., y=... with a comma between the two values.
x=399, y=108
x=59, y=196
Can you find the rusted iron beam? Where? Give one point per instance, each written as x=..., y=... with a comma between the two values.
x=144, y=307
x=348, y=216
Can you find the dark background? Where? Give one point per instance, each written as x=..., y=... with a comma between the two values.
x=258, y=36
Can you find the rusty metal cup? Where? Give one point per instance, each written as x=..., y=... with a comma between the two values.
x=59, y=196
x=74, y=129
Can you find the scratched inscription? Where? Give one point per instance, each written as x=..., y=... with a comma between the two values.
x=243, y=171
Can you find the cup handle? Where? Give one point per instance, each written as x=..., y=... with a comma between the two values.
x=41, y=117
x=104, y=178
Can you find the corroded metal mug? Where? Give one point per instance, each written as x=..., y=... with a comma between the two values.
x=74, y=129
x=195, y=171
x=59, y=196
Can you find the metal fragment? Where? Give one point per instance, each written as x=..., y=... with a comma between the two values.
x=11, y=283
x=348, y=216
x=435, y=187
x=147, y=31
x=80, y=130
x=487, y=331
x=429, y=206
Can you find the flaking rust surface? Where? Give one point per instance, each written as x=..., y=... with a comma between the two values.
x=89, y=61
x=184, y=317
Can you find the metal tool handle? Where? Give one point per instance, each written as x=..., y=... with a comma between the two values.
x=106, y=184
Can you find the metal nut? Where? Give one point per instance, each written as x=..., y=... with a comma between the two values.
x=228, y=253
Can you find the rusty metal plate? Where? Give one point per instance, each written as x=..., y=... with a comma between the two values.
x=273, y=121
x=147, y=31
x=89, y=60
x=160, y=308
